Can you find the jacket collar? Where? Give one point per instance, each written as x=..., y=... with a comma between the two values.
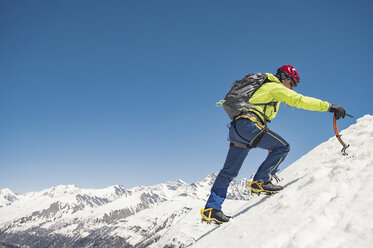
x=272, y=78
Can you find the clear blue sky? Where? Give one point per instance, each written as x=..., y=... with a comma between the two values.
x=97, y=93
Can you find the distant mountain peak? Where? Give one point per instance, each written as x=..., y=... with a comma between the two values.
x=7, y=197
x=6, y=191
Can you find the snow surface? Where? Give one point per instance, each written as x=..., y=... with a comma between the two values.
x=327, y=201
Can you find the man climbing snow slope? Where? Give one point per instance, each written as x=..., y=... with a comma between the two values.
x=251, y=103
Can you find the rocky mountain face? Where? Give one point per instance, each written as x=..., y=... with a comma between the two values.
x=67, y=216
x=7, y=197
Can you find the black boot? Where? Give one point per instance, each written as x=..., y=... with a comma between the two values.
x=209, y=215
x=257, y=187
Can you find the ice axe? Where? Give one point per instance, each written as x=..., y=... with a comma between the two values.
x=339, y=136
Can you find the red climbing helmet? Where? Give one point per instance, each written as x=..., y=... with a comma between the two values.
x=288, y=71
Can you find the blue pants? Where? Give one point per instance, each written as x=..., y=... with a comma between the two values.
x=247, y=129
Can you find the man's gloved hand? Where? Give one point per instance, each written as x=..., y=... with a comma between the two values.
x=338, y=111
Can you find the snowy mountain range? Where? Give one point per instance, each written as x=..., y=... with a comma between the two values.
x=326, y=202
x=67, y=216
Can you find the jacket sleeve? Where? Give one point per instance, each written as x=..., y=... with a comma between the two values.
x=294, y=99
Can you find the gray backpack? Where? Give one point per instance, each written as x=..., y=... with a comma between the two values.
x=236, y=101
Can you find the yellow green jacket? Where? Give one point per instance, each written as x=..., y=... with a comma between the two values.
x=275, y=91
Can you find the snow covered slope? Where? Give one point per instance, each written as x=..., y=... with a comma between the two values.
x=327, y=201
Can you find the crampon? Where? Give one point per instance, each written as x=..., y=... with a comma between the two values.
x=212, y=216
x=257, y=188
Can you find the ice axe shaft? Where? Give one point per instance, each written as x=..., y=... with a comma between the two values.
x=339, y=136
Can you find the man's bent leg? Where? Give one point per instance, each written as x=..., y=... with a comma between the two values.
x=279, y=148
